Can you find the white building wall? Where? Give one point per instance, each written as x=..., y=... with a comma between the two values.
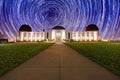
x=53, y=34
x=63, y=34
x=84, y=36
x=32, y=36
x=76, y=36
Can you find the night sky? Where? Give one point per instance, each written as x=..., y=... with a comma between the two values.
x=74, y=15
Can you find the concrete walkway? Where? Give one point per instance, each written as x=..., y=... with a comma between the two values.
x=59, y=62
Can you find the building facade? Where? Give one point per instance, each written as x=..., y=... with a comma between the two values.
x=32, y=36
x=59, y=33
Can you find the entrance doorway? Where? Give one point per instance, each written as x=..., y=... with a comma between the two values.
x=58, y=33
x=58, y=36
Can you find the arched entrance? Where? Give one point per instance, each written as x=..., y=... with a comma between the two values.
x=58, y=33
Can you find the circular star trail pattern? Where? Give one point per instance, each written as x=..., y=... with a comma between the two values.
x=74, y=15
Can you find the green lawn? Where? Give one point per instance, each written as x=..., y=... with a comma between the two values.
x=11, y=55
x=105, y=54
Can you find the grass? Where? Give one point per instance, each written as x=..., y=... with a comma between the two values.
x=105, y=54
x=11, y=55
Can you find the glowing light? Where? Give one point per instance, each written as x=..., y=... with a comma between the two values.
x=32, y=36
x=85, y=36
x=104, y=40
x=53, y=34
x=63, y=34
x=21, y=36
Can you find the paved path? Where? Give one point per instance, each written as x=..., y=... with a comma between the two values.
x=59, y=62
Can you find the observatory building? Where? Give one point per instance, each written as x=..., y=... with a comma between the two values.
x=59, y=33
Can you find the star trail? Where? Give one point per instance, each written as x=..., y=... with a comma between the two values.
x=74, y=15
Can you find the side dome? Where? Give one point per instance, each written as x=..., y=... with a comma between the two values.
x=92, y=27
x=25, y=28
